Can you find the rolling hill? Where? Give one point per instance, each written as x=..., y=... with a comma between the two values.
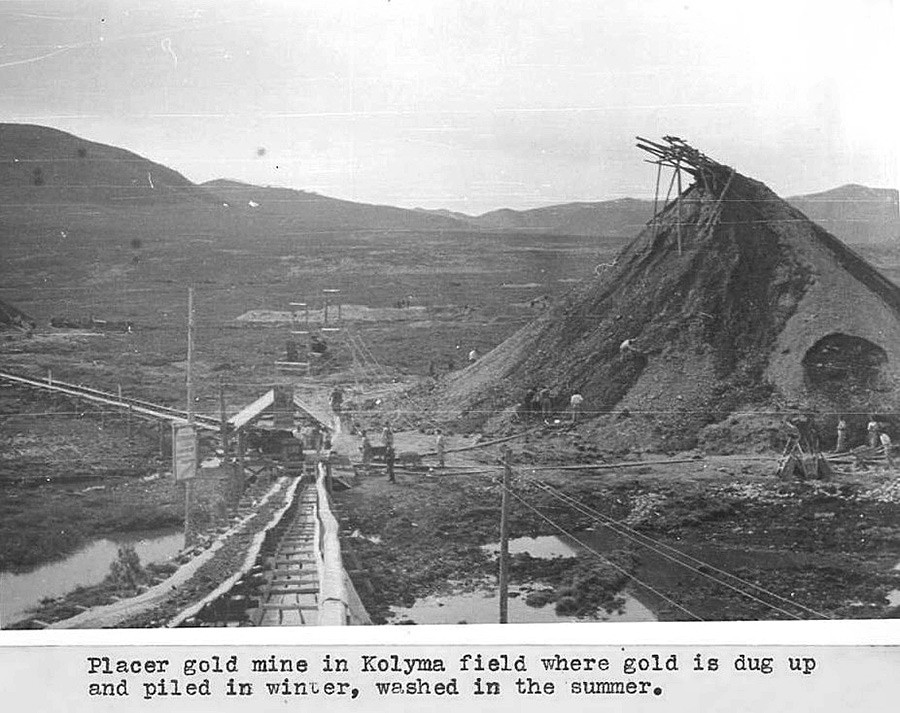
x=43, y=165
x=857, y=214
x=309, y=211
x=48, y=167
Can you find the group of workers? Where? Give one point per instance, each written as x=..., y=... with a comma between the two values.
x=366, y=450
x=803, y=435
x=541, y=400
x=387, y=439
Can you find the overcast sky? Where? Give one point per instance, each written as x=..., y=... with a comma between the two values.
x=466, y=105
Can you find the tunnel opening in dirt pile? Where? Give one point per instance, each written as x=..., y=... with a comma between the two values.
x=845, y=369
x=705, y=295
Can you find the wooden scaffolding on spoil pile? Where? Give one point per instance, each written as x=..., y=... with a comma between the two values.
x=715, y=178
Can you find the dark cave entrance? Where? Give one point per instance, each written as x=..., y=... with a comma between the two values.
x=845, y=369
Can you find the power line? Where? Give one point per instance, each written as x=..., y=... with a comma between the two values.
x=641, y=539
x=607, y=561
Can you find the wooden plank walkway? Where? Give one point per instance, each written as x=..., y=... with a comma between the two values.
x=289, y=595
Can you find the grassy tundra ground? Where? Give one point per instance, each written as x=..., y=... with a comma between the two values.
x=67, y=480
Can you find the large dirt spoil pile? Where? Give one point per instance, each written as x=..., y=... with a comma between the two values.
x=733, y=301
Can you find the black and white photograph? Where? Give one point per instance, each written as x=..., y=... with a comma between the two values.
x=414, y=312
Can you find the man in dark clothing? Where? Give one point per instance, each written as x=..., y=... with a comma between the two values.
x=546, y=402
x=389, y=462
x=366, y=449
x=337, y=399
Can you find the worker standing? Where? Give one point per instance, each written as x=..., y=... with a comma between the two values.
x=575, y=404
x=841, y=444
x=440, y=449
x=387, y=436
x=365, y=449
x=793, y=438
x=337, y=403
x=546, y=402
x=872, y=431
x=389, y=463
x=885, y=440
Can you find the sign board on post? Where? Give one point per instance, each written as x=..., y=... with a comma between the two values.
x=184, y=456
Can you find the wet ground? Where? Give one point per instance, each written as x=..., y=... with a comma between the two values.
x=482, y=606
x=86, y=567
x=712, y=540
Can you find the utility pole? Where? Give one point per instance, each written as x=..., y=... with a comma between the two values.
x=190, y=411
x=223, y=420
x=504, y=538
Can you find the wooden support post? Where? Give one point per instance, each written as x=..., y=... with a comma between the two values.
x=130, y=423
x=119, y=391
x=50, y=377
x=223, y=420
x=678, y=174
x=239, y=475
x=668, y=193
x=188, y=525
x=504, y=538
x=656, y=197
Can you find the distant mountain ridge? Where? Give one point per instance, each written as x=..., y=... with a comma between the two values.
x=313, y=211
x=857, y=214
x=615, y=218
x=40, y=165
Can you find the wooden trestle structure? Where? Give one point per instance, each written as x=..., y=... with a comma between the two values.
x=675, y=153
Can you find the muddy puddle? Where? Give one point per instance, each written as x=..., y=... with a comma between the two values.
x=21, y=592
x=544, y=546
x=483, y=606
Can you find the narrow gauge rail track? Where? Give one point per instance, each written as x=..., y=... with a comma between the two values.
x=137, y=406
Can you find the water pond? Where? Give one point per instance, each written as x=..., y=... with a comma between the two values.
x=483, y=606
x=21, y=592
